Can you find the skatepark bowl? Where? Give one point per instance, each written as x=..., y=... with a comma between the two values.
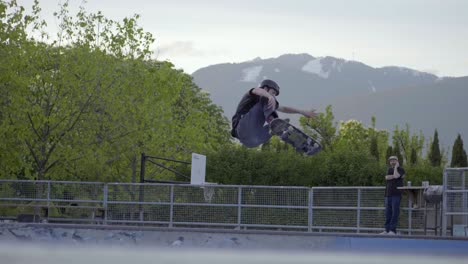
x=92, y=222
x=54, y=244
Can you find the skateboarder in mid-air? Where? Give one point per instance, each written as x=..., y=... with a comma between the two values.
x=256, y=110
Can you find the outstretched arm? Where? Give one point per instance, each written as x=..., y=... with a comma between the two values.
x=292, y=110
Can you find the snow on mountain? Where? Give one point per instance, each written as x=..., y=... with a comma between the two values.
x=251, y=74
x=410, y=71
x=337, y=66
x=415, y=73
x=372, y=87
x=315, y=66
x=256, y=59
x=403, y=70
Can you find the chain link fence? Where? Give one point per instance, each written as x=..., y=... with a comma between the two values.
x=455, y=202
x=318, y=209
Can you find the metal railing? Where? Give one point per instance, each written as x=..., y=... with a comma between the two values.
x=317, y=209
x=455, y=202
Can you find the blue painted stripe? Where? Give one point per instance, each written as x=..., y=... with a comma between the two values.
x=401, y=246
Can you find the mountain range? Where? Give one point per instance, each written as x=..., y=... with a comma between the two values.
x=395, y=95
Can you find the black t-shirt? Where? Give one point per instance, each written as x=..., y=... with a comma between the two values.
x=246, y=103
x=391, y=185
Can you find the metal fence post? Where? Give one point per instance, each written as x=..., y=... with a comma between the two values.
x=311, y=212
x=239, y=207
x=358, y=216
x=171, y=207
x=410, y=216
x=444, y=204
x=105, y=200
x=48, y=200
x=464, y=200
x=142, y=189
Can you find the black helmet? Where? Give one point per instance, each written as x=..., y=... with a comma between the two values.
x=270, y=84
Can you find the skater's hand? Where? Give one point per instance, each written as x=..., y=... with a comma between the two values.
x=310, y=113
x=271, y=102
x=389, y=177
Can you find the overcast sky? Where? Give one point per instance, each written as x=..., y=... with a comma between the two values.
x=426, y=35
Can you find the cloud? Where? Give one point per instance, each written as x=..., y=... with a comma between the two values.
x=186, y=49
x=180, y=48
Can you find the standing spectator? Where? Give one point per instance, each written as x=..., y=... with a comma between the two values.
x=394, y=179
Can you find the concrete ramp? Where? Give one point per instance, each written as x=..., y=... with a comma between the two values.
x=141, y=238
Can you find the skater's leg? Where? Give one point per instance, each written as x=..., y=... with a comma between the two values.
x=261, y=136
x=264, y=135
x=252, y=130
x=268, y=112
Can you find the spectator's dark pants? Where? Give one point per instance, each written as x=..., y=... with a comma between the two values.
x=252, y=130
x=392, y=212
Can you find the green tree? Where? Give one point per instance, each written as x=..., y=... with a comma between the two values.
x=15, y=51
x=397, y=152
x=408, y=142
x=435, y=156
x=276, y=145
x=85, y=104
x=323, y=127
x=414, y=157
x=396, y=145
x=423, y=171
x=374, y=148
x=389, y=152
x=354, y=134
x=459, y=158
x=374, y=145
x=465, y=158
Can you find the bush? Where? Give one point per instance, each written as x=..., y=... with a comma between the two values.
x=341, y=167
x=424, y=172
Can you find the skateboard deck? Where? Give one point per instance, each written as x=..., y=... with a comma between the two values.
x=292, y=135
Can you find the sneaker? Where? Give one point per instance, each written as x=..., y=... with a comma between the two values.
x=391, y=233
x=384, y=233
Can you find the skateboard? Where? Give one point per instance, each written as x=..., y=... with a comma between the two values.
x=292, y=135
